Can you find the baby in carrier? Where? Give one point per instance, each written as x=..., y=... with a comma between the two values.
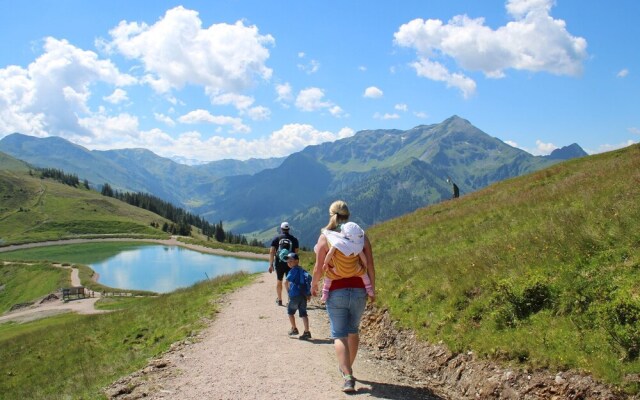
x=349, y=241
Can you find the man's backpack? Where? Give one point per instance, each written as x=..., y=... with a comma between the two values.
x=285, y=246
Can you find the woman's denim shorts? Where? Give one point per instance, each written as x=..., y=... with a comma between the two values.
x=345, y=308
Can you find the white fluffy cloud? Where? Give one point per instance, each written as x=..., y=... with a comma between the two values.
x=57, y=94
x=609, y=147
x=50, y=96
x=295, y=137
x=177, y=51
x=284, y=93
x=386, y=116
x=541, y=149
x=337, y=111
x=544, y=148
x=311, y=67
x=164, y=119
x=241, y=102
x=437, y=72
x=312, y=99
x=532, y=41
x=109, y=131
x=373, y=92
x=123, y=132
x=118, y=96
x=203, y=116
x=290, y=138
x=16, y=96
x=259, y=113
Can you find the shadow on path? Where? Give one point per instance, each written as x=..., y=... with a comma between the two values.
x=396, y=392
x=320, y=341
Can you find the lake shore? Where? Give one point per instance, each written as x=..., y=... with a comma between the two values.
x=173, y=241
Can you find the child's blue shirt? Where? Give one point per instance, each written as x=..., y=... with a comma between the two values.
x=297, y=281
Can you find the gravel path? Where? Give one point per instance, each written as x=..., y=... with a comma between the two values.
x=245, y=353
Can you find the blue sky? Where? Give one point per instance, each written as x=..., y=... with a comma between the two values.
x=209, y=80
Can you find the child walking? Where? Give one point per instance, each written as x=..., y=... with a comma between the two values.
x=299, y=294
x=350, y=240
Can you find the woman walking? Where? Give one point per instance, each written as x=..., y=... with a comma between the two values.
x=347, y=295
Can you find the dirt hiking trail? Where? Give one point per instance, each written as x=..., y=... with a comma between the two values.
x=245, y=353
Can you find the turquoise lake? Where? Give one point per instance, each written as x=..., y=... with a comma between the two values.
x=163, y=269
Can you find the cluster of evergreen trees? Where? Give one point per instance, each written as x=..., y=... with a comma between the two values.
x=183, y=220
x=60, y=176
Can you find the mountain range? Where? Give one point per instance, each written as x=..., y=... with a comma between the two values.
x=382, y=174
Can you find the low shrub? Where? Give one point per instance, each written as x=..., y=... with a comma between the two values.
x=621, y=320
x=515, y=301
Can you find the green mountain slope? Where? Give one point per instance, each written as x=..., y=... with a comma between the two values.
x=357, y=168
x=389, y=193
x=12, y=164
x=375, y=171
x=34, y=209
x=135, y=170
x=542, y=269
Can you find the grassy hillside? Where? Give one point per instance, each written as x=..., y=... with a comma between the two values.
x=22, y=285
x=34, y=209
x=542, y=269
x=76, y=356
x=9, y=163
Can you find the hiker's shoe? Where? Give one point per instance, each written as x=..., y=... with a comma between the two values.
x=349, y=384
x=279, y=302
x=294, y=331
x=344, y=376
x=306, y=335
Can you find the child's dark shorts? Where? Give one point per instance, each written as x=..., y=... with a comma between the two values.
x=297, y=303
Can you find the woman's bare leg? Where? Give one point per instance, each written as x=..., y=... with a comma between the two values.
x=353, y=342
x=346, y=351
x=342, y=354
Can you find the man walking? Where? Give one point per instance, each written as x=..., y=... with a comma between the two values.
x=454, y=187
x=281, y=246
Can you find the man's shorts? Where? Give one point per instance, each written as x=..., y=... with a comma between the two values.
x=345, y=308
x=297, y=303
x=282, y=270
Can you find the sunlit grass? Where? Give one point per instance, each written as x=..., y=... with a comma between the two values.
x=23, y=283
x=470, y=271
x=75, y=356
x=41, y=209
